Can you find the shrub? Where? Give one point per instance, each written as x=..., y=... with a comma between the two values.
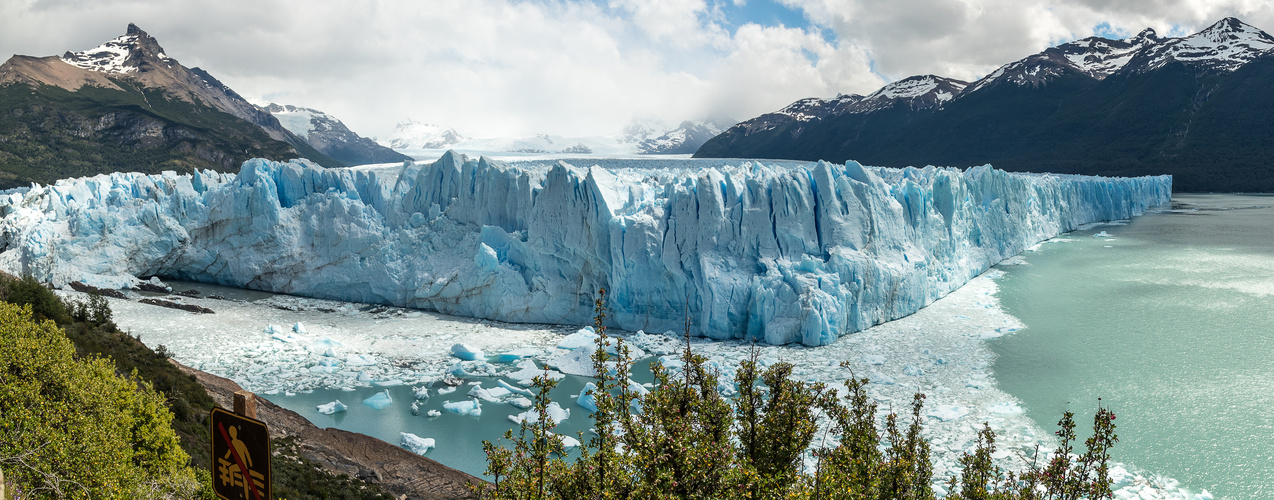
x=73, y=428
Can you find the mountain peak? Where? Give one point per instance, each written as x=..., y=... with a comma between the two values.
x=1224, y=46
x=121, y=55
x=1146, y=37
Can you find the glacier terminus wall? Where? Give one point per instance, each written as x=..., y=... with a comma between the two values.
x=780, y=252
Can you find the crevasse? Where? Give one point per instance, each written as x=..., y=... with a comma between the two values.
x=780, y=253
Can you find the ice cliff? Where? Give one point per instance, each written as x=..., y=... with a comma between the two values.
x=781, y=252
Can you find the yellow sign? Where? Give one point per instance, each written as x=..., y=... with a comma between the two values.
x=240, y=457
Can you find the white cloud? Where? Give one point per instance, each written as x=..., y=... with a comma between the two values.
x=503, y=67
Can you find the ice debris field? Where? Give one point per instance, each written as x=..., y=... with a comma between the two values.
x=778, y=252
x=941, y=351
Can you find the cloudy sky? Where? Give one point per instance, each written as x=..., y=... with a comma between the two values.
x=587, y=67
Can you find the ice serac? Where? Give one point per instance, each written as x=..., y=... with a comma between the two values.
x=779, y=252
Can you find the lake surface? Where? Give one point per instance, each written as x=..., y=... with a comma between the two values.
x=1170, y=321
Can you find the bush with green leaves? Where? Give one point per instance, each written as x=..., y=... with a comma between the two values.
x=72, y=428
x=684, y=439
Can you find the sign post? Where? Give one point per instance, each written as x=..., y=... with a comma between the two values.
x=240, y=452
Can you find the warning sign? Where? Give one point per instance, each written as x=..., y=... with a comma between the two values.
x=240, y=457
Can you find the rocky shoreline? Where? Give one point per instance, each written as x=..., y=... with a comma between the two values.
x=397, y=471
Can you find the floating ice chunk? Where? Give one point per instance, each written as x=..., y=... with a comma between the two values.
x=467, y=352
x=569, y=442
x=333, y=407
x=587, y=399
x=1102, y=234
x=1203, y=496
x=379, y=401
x=516, y=354
x=446, y=390
x=515, y=390
x=582, y=337
x=276, y=332
x=575, y=362
x=947, y=413
x=873, y=359
x=477, y=368
x=299, y=329
x=912, y=371
x=361, y=360
x=527, y=371
x=471, y=407
x=365, y=376
x=880, y=378
x=433, y=413
x=415, y=407
x=421, y=392
x=520, y=402
x=491, y=395
x=324, y=345
x=1005, y=408
x=555, y=413
x=637, y=389
x=416, y=444
x=393, y=382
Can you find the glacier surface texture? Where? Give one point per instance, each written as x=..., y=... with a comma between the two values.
x=780, y=252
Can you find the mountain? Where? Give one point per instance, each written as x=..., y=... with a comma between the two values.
x=128, y=106
x=1196, y=107
x=329, y=136
x=685, y=139
x=412, y=134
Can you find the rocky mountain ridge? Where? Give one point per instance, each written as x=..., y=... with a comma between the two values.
x=1187, y=106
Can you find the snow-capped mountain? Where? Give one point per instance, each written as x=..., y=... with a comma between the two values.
x=639, y=137
x=1223, y=47
x=1145, y=104
x=685, y=139
x=122, y=55
x=1094, y=56
x=412, y=134
x=142, y=111
x=331, y=137
x=917, y=92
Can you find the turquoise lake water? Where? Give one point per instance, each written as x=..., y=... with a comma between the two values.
x=1171, y=322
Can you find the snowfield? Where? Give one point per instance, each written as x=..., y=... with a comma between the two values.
x=750, y=250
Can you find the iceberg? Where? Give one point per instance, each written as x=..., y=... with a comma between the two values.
x=471, y=407
x=467, y=352
x=331, y=408
x=554, y=410
x=379, y=401
x=779, y=252
x=416, y=444
x=587, y=398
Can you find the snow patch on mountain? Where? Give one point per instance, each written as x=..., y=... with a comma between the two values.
x=109, y=57
x=1223, y=47
x=299, y=121
x=412, y=134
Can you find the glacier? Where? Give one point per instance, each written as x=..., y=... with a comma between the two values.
x=774, y=251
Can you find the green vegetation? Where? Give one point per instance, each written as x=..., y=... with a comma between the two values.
x=88, y=411
x=49, y=133
x=683, y=439
x=73, y=428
